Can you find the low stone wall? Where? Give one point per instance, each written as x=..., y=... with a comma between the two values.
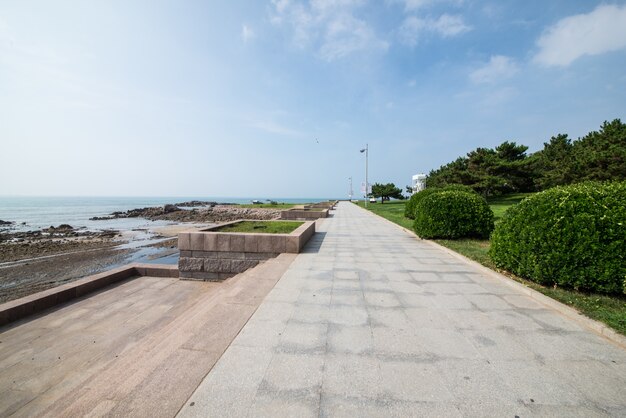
x=37, y=302
x=212, y=256
x=293, y=214
x=326, y=205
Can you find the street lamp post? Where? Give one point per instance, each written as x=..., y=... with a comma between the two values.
x=366, y=151
x=350, y=191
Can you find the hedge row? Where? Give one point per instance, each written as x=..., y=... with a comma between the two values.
x=411, y=204
x=572, y=236
x=453, y=214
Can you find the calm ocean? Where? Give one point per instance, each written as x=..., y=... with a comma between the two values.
x=42, y=212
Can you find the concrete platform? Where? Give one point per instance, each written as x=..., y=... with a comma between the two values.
x=138, y=348
x=371, y=321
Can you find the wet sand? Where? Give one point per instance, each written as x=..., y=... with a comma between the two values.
x=40, y=263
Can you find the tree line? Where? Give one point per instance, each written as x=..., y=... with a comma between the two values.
x=508, y=168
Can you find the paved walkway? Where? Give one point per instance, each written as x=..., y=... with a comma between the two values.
x=370, y=321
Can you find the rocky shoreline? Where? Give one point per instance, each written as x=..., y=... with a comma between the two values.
x=33, y=261
x=209, y=212
x=15, y=246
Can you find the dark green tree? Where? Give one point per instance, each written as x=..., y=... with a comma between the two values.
x=555, y=163
x=386, y=191
x=601, y=155
x=504, y=169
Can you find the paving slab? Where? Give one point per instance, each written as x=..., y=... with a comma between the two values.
x=371, y=321
x=138, y=348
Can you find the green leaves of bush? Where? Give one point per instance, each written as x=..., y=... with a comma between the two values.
x=452, y=214
x=572, y=236
x=411, y=204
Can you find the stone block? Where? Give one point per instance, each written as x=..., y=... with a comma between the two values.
x=217, y=266
x=185, y=253
x=210, y=241
x=237, y=242
x=233, y=255
x=183, y=241
x=239, y=266
x=250, y=243
x=277, y=244
x=292, y=245
x=196, y=241
x=223, y=242
x=260, y=256
x=264, y=244
x=190, y=264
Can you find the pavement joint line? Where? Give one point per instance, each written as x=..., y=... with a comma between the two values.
x=591, y=324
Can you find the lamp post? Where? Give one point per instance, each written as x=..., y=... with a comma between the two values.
x=366, y=151
x=350, y=191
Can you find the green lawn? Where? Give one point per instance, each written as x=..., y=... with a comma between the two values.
x=394, y=211
x=269, y=205
x=261, y=227
x=501, y=203
x=610, y=310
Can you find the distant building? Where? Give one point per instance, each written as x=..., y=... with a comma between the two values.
x=419, y=182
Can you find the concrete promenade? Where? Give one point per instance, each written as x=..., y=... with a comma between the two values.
x=370, y=321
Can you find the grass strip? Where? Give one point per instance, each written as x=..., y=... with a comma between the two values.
x=261, y=227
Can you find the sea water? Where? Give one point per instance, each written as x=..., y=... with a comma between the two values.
x=33, y=213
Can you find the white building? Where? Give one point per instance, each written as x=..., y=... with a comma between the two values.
x=419, y=182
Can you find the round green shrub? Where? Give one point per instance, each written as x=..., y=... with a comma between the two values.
x=572, y=236
x=453, y=214
x=411, y=204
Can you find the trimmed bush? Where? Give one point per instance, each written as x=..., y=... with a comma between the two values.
x=411, y=204
x=572, y=236
x=453, y=214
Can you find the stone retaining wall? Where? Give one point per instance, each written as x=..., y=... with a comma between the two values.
x=296, y=213
x=327, y=205
x=209, y=255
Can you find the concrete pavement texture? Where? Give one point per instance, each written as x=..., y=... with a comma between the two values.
x=371, y=321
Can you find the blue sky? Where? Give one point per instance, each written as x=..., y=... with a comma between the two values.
x=275, y=98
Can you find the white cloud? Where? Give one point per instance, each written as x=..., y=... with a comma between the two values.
x=498, y=68
x=247, y=34
x=345, y=35
x=410, y=5
x=445, y=26
x=602, y=30
x=329, y=26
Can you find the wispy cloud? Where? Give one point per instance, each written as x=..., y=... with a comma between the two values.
x=272, y=127
x=602, y=30
x=498, y=68
x=329, y=26
x=247, y=34
x=411, y=5
x=413, y=28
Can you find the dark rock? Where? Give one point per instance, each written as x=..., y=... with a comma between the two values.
x=5, y=222
x=170, y=208
x=195, y=203
x=101, y=218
